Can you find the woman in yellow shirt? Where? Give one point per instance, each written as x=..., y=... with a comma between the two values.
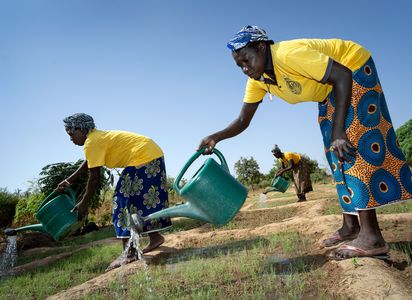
x=300, y=171
x=141, y=187
x=359, y=141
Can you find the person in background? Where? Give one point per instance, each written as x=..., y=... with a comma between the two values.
x=300, y=171
x=141, y=187
x=368, y=165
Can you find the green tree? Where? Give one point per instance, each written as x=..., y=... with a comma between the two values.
x=173, y=196
x=404, y=135
x=247, y=171
x=51, y=175
x=8, y=202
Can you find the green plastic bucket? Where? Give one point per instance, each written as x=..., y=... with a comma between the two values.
x=211, y=195
x=280, y=184
x=55, y=213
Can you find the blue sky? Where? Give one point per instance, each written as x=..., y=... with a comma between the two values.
x=162, y=69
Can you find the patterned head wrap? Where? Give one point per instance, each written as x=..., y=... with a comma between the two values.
x=276, y=148
x=246, y=35
x=79, y=120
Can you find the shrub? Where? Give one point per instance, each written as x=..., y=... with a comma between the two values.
x=26, y=209
x=8, y=202
x=404, y=135
x=173, y=196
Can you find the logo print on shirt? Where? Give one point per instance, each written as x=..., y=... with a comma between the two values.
x=293, y=86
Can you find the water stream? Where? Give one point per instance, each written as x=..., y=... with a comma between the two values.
x=262, y=200
x=8, y=257
x=134, y=241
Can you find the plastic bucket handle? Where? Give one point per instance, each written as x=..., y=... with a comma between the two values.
x=54, y=194
x=191, y=160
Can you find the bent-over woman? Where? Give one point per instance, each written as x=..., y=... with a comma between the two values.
x=368, y=165
x=141, y=187
x=300, y=168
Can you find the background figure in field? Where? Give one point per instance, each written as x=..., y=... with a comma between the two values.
x=300, y=168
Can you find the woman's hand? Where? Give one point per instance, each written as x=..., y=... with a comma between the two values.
x=342, y=148
x=63, y=185
x=279, y=173
x=209, y=143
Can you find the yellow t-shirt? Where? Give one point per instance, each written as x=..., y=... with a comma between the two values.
x=119, y=149
x=300, y=67
x=287, y=156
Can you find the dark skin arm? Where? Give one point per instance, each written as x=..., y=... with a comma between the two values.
x=283, y=170
x=92, y=182
x=341, y=79
x=80, y=172
x=236, y=127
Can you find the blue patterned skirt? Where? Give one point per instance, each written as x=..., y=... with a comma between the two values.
x=379, y=174
x=141, y=190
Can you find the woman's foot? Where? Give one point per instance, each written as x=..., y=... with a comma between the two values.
x=349, y=231
x=301, y=197
x=338, y=238
x=120, y=261
x=357, y=248
x=156, y=239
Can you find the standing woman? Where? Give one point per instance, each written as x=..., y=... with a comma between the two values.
x=141, y=187
x=300, y=171
x=359, y=141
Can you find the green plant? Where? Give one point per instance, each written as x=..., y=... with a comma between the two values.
x=404, y=136
x=8, y=202
x=247, y=171
x=355, y=262
x=173, y=196
x=26, y=209
x=46, y=281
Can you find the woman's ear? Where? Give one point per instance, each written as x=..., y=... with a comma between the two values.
x=262, y=47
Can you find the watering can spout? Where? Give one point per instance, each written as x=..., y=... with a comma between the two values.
x=212, y=195
x=34, y=227
x=181, y=210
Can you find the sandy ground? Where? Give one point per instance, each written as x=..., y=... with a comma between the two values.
x=366, y=278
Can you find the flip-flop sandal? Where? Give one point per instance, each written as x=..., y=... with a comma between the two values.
x=379, y=253
x=336, y=239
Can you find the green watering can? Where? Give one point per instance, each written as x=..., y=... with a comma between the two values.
x=211, y=195
x=280, y=184
x=55, y=214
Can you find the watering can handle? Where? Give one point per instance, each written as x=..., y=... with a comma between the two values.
x=55, y=193
x=191, y=160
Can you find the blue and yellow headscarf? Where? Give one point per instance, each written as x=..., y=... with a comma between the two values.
x=246, y=35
